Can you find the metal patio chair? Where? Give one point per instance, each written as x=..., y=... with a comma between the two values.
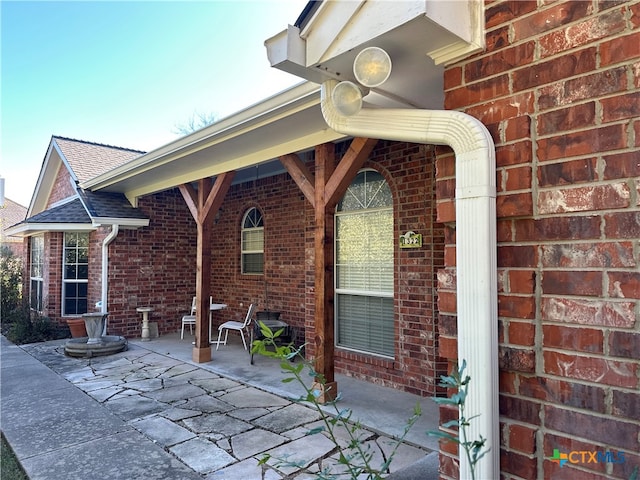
x=237, y=326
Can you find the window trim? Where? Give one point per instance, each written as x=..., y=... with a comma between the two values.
x=367, y=293
x=244, y=229
x=66, y=281
x=39, y=280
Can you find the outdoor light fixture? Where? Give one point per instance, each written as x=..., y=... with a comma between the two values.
x=347, y=97
x=371, y=67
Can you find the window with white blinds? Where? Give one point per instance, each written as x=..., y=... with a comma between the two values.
x=364, y=266
x=252, y=258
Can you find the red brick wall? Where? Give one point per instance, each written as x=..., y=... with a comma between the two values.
x=153, y=266
x=558, y=88
x=62, y=187
x=289, y=264
x=409, y=169
x=52, y=275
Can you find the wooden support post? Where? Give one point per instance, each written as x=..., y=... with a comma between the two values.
x=203, y=205
x=324, y=291
x=329, y=185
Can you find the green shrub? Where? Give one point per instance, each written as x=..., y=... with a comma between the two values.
x=10, y=283
x=25, y=326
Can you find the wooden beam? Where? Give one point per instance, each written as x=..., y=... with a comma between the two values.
x=216, y=195
x=190, y=196
x=347, y=169
x=202, y=349
x=203, y=205
x=324, y=191
x=324, y=291
x=301, y=175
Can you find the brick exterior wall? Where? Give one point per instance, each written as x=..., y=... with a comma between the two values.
x=62, y=187
x=153, y=266
x=558, y=88
x=289, y=264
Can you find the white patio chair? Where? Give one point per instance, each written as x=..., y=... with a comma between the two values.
x=191, y=318
x=237, y=326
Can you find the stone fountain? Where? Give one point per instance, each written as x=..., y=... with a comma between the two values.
x=97, y=343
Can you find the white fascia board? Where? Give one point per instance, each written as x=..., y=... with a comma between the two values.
x=287, y=51
x=131, y=223
x=445, y=31
x=64, y=201
x=44, y=184
x=30, y=229
x=240, y=123
x=237, y=163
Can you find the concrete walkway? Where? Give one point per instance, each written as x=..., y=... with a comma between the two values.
x=146, y=413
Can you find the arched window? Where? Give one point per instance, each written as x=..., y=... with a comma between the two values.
x=364, y=266
x=252, y=258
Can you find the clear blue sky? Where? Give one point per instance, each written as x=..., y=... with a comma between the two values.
x=127, y=73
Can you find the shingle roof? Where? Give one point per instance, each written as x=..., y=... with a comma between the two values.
x=88, y=159
x=71, y=212
x=109, y=205
x=10, y=214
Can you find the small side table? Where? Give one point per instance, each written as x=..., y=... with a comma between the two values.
x=145, y=322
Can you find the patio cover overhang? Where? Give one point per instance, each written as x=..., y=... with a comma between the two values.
x=290, y=121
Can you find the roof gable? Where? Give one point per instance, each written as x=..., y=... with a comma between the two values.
x=83, y=160
x=87, y=159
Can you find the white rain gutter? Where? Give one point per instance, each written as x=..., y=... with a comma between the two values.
x=477, y=296
x=115, y=228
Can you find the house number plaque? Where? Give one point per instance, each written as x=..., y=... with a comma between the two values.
x=411, y=240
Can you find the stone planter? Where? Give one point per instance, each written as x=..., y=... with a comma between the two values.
x=77, y=327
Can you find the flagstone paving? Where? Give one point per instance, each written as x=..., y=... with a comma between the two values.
x=216, y=427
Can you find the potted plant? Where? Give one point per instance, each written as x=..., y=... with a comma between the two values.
x=77, y=327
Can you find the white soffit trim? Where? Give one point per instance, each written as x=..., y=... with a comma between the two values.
x=476, y=246
x=290, y=120
x=44, y=185
x=325, y=47
x=29, y=229
x=131, y=223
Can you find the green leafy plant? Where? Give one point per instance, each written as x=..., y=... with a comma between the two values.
x=10, y=282
x=458, y=382
x=355, y=456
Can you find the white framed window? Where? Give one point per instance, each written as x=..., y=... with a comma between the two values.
x=364, y=314
x=252, y=248
x=75, y=273
x=36, y=272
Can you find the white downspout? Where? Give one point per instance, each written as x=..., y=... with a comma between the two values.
x=105, y=269
x=477, y=296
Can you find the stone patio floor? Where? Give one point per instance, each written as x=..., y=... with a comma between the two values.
x=144, y=414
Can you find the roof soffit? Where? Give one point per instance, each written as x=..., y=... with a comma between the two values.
x=419, y=35
x=287, y=122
